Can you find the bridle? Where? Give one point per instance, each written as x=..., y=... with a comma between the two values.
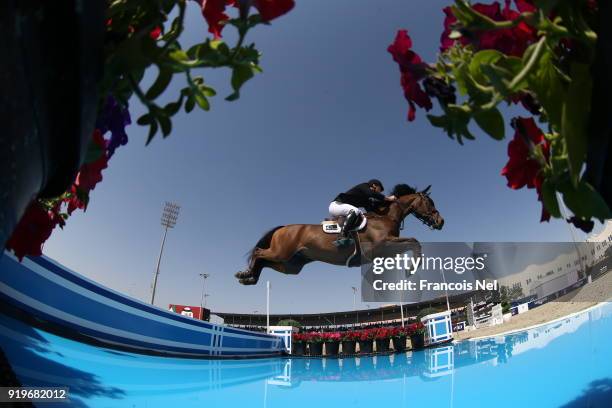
x=426, y=219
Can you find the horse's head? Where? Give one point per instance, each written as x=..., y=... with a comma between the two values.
x=418, y=203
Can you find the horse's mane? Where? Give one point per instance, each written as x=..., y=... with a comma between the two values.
x=402, y=190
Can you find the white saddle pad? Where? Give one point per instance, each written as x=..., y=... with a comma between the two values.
x=332, y=227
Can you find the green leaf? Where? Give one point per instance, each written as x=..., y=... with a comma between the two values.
x=547, y=5
x=152, y=132
x=575, y=117
x=492, y=122
x=584, y=201
x=207, y=91
x=240, y=75
x=202, y=101
x=454, y=122
x=549, y=198
x=179, y=55
x=215, y=44
x=160, y=84
x=172, y=108
x=547, y=84
x=480, y=59
x=145, y=119
x=189, y=103
x=437, y=121
x=165, y=124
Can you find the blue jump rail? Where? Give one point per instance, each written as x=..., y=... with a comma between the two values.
x=45, y=293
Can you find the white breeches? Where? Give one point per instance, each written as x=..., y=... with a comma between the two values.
x=337, y=209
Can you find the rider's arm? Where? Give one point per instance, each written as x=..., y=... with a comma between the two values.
x=365, y=189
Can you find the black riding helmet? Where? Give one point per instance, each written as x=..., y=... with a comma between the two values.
x=376, y=181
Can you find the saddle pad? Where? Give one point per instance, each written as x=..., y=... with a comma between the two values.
x=332, y=227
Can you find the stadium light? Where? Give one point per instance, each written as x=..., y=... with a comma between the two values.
x=204, y=276
x=268, y=307
x=168, y=220
x=355, y=303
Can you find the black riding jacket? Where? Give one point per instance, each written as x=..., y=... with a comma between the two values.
x=361, y=196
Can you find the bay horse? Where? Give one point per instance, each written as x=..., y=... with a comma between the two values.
x=288, y=248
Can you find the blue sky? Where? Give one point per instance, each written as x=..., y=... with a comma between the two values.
x=327, y=113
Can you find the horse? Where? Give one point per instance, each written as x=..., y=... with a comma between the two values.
x=287, y=248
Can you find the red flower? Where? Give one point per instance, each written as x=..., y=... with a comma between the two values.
x=449, y=21
x=271, y=9
x=522, y=169
x=383, y=333
x=73, y=201
x=511, y=41
x=90, y=174
x=214, y=11
x=214, y=14
x=155, y=33
x=413, y=70
x=331, y=336
x=33, y=230
x=414, y=328
x=525, y=6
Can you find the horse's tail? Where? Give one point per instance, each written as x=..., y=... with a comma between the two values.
x=264, y=241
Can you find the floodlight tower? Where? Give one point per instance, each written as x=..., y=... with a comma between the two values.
x=204, y=276
x=168, y=220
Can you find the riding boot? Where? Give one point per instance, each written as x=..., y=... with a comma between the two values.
x=349, y=224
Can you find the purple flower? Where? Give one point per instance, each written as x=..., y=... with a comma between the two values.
x=114, y=118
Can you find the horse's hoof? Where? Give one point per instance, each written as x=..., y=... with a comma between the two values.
x=242, y=274
x=248, y=281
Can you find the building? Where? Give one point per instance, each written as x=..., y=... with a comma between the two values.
x=541, y=280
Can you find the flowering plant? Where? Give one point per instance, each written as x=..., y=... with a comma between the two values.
x=139, y=35
x=383, y=333
x=349, y=336
x=399, y=332
x=415, y=328
x=313, y=337
x=298, y=337
x=366, y=334
x=331, y=337
x=541, y=54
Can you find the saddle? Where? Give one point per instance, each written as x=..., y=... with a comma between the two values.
x=334, y=226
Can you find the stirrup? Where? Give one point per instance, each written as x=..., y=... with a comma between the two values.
x=343, y=242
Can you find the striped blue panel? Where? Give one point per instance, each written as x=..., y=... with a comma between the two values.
x=48, y=291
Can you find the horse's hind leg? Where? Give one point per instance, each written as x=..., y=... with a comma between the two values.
x=291, y=267
x=249, y=272
x=273, y=257
x=251, y=275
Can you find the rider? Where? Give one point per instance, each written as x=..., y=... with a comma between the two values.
x=348, y=204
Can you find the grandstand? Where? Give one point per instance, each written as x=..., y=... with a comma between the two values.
x=384, y=315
